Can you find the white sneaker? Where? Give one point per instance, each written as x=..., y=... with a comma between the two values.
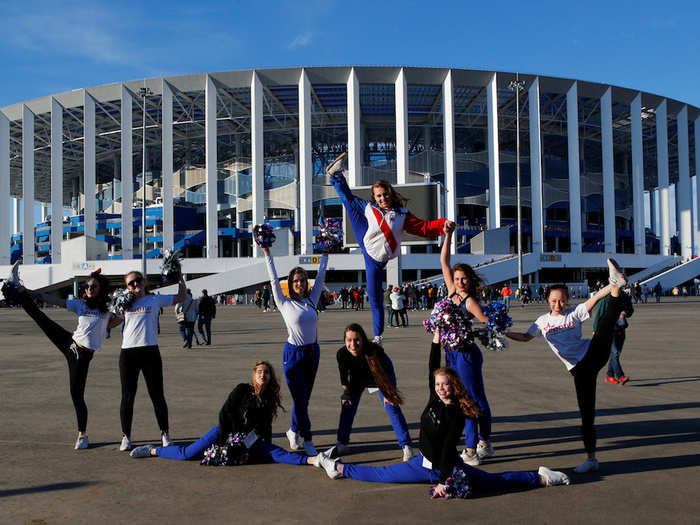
x=125, y=444
x=590, y=465
x=407, y=453
x=553, y=477
x=484, y=450
x=143, y=451
x=81, y=442
x=337, y=165
x=378, y=340
x=14, y=274
x=328, y=465
x=309, y=448
x=470, y=459
x=615, y=274
x=293, y=438
x=165, y=439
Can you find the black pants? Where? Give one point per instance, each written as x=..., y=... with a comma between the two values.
x=586, y=371
x=144, y=359
x=78, y=361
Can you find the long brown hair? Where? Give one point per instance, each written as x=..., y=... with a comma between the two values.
x=397, y=200
x=290, y=287
x=475, y=281
x=466, y=403
x=271, y=393
x=376, y=367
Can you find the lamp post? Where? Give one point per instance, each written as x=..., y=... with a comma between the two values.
x=144, y=92
x=517, y=85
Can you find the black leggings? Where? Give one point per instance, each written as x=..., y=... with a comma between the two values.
x=78, y=360
x=144, y=359
x=586, y=371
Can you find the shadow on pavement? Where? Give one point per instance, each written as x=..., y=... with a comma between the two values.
x=45, y=488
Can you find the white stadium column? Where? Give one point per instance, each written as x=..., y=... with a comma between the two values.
x=697, y=186
x=536, y=166
x=257, y=153
x=211, y=168
x=574, y=168
x=401, y=103
x=637, y=175
x=167, y=155
x=494, y=168
x=89, y=166
x=5, y=188
x=16, y=216
x=662, y=167
x=354, y=142
x=305, y=165
x=56, y=180
x=684, y=202
x=606, y=139
x=28, y=184
x=448, y=120
x=127, y=169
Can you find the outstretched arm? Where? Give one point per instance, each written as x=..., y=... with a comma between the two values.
x=474, y=308
x=277, y=293
x=421, y=228
x=47, y=298
x=181, y=291
x=445, y=259
x=520, y=336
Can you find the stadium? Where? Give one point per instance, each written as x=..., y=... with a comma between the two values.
x=603, y=170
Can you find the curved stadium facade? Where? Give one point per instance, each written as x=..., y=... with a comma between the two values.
x=603, y=169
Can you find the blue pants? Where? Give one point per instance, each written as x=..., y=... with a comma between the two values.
x=348, y=411
x=468, y=367
x=260, y=452
x=374, y=269
x=204, y=323
x=300, y=365
x=614, y=366
x=414, y=472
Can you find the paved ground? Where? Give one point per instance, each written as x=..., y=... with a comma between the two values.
x=649, y=431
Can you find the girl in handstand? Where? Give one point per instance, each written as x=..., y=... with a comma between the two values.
x=377, y=226
x=583, y=358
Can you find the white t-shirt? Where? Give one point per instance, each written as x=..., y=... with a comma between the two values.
x=300, y=317
x=92, y=324
x=141, y=320
x=563, y=333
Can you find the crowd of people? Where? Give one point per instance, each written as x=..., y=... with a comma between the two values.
x=457, y=402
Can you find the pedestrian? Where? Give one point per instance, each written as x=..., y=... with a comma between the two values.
x=186, y=315
x=266, y=298
x=397, y=305
x=658, y=290
x=615, y=373
x=207, y=312
x=506, y=293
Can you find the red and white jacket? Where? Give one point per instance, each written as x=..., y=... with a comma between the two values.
x=383, y=238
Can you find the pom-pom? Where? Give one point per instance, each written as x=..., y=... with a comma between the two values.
x=171, y=269
x=330, y=236
x=456, y=485
x=499, y=320
x=454, y=327
x=12, y=287
x=233, y=452
x=121, y=300
x=263, y=235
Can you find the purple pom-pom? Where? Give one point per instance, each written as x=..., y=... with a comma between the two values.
x=456, y=485
x=263, y=235
x=330, y=236
x=449, y=319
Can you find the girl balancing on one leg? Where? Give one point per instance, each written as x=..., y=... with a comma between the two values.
x=248, y=410
x=80, y=346
x=583, y=358
x=363, y=364
x=462, y=283
x=140, y=353
x=438, y=461
x=301, y=351
x=378, y=226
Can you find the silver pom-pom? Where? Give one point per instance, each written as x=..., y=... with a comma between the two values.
x=121, y=300
x=171, y=268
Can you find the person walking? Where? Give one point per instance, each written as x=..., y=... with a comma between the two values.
x=207, y=312
x=186, y=315
x=397, y=306
x=506, y=293
x=615, y=373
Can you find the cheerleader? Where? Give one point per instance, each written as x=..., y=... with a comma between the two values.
x=378, y=226
x=140, y=354
x=361, y=365
x=583, y=358
x=437, y=462
x=248, y=410
x=462, y=283
x=80, y=346
x=301, y=351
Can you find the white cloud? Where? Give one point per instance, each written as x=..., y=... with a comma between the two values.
x=301, y=40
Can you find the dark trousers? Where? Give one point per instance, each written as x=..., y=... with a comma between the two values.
x=144, y=359
x=78, y=360
x=204, y=324
x=586, y=371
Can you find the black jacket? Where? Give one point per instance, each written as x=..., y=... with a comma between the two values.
x=243, y=412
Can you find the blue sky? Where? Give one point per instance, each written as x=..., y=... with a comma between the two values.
x=51, y=47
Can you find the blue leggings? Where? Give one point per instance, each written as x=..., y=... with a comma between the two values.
x=355, y=208
x=414, y=472
x=260, y=452
x=348, y=411
x=300, y=364
x=468, y=366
